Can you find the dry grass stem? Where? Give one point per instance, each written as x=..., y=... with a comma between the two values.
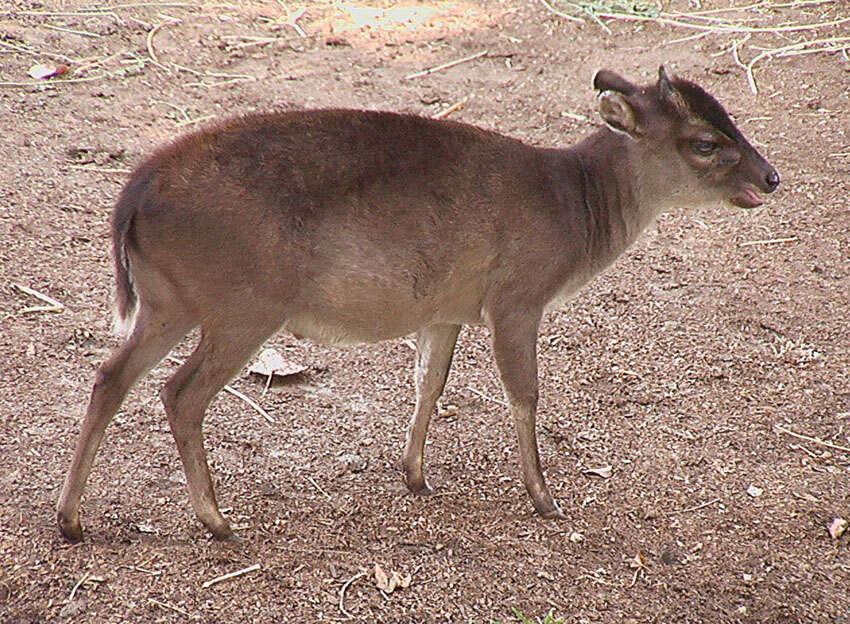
x=230, y=575
x=77, y=586
x=82, y=33
x=189, y=122
x=432, y=70
x=344, y=587
x=319, y=487
x=811, y=439
x=781, y=51
x=152, y=33
x=694, y=508
x=769, y=241
x=102, y=169
x=60, y=57
x=165, y=605
x=52, y=304
x=451, y=109
x=486, y=397
x=571, y=18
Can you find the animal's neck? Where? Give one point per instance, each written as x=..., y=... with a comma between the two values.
x=620, y=190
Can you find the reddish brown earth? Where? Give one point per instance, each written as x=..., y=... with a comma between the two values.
x=674, y=368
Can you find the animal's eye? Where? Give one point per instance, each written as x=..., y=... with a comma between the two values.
x=704, y=148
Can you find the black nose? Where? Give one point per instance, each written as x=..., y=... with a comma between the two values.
x=772, y=180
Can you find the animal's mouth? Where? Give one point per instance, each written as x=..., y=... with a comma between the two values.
x=746, y=197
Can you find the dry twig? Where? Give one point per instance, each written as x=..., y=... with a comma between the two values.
x=230, y=575
x=432, y=70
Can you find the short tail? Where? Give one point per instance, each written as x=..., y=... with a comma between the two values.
x=126, y=299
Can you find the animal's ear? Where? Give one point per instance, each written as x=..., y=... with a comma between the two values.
x=619, y=114
x=605, y=80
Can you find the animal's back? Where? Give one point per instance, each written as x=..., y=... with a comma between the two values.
x=401, y=214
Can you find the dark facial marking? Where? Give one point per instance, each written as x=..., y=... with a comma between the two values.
x=703, y=104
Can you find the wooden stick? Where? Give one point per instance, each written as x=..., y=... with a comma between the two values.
x=451, y=109
x=53, y=305
x=817, y=441
x=61, y=57
x=432, y=70
x=770, y=241
x=345, y=586
x=230, y=575
x=235, y=393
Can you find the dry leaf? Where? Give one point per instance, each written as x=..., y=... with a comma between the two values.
x=836, y=527
x=42, y=71
x=603, y=471
x=389, y=583
x=271, y=362
x=381, y=578
x=639, y=561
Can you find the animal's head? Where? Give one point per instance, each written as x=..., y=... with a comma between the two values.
x=689, y=135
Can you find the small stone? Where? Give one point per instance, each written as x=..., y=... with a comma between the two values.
x=755, y=491
x=576, y=537
x=836, y=527
x=351, y=462
x=73, y=609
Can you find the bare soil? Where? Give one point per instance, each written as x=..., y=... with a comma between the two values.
x=674, y=368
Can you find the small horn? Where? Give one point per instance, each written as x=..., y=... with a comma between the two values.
x=665, y=89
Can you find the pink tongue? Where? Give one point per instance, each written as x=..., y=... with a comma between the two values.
x=751, y=195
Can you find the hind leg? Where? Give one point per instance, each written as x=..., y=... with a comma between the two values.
x=153, y=336
x=220, y=354
x=434, y=347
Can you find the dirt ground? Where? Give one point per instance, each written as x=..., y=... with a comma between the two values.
x=675, y=368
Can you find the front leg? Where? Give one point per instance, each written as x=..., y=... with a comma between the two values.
x=515, y=352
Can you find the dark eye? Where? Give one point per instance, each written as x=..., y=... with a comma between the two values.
x=704, y=148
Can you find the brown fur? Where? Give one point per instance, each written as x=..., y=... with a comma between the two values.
x=351, y=226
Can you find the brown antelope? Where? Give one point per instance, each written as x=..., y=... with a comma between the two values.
x=354, y=226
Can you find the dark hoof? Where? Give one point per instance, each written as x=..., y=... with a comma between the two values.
x=71, y=531
x=224, y=534
x=552, y=513
x=419, y=487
